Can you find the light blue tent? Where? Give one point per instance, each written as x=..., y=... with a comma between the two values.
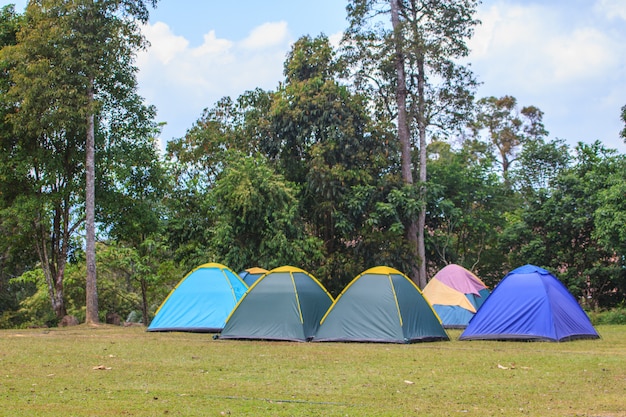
x=530, y=304
x=201, y=302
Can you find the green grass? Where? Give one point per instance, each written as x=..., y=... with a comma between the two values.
x=50, y=372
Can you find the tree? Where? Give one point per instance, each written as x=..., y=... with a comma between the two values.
x=324, y=140
x=540, y=163
x=16, y=255
x=466, y=207
x=197, y=159
x=427, y=39
x=414, y=237
x=255, y=218
x=508, y=128
x=610, y=214
x=570, y=227
x=84, y=50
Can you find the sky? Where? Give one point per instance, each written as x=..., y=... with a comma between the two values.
x=566, y=57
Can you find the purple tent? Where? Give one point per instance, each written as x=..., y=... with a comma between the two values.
x=530, y=304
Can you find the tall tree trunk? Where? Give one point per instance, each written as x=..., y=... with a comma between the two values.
x=90, y=226
x=52, y=264
x=404, y=137
x=144, y=302
x=421, y=127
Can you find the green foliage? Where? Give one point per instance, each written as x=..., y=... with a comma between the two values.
x=508, y=128
x=466, y=209
x=610, y=215
x=308, y=174
x=558, y=231
x=35, y=309
x=129, y=280
x=70, y=61
x=613, y=316
x=255, y=218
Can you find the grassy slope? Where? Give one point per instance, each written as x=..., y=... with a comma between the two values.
x=51, y=373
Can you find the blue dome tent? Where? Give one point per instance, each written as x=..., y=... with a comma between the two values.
x=530, y=304
x=201, y=301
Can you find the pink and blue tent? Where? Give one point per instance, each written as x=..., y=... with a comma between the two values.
x=530, y=304
x=455, y=294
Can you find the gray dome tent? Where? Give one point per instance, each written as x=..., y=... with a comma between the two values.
x=381, y=305
x=287, y=303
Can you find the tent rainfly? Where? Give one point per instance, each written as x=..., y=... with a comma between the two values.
x=287, y=303
x=201, y=301
x=380, y=305
x=530, y=304
x=455, y=294
x=250, y=275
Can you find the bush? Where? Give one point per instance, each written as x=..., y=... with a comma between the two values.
x=613, y=316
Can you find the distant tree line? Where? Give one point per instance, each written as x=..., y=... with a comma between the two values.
x=374, y=153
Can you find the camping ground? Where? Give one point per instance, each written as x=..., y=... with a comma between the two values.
x=117, y=371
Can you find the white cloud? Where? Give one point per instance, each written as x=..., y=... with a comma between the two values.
x=266, y=35
x=585, y=53
x=212, y=46
x=612, y=9
x=335, y=39
x=567, y=61
x=511, y=40
x=538, y=48
x=164, y=45
x=181, y=80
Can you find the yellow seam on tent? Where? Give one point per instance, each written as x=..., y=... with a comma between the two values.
x=232, y=290
x=320, y=285
x=212, y=265
x=427, y=302
x=177, y=285
x=287, y=268
x=221, y=267
x=243, y=296
x=292, y=269
x=380, y=270
x=236, y=305
x=339, y=297
x=395, y=297
x=295, y=290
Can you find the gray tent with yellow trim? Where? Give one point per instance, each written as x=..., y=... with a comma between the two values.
x=287, y=303
x=381, y=305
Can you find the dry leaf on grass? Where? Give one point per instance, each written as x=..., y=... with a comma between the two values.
x=101, y=368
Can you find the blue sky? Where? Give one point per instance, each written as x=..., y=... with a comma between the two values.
x=567, y=57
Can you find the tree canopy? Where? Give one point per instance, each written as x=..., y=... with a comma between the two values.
x=326, y=172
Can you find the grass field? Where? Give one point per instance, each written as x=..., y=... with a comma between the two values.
x=115, y=371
